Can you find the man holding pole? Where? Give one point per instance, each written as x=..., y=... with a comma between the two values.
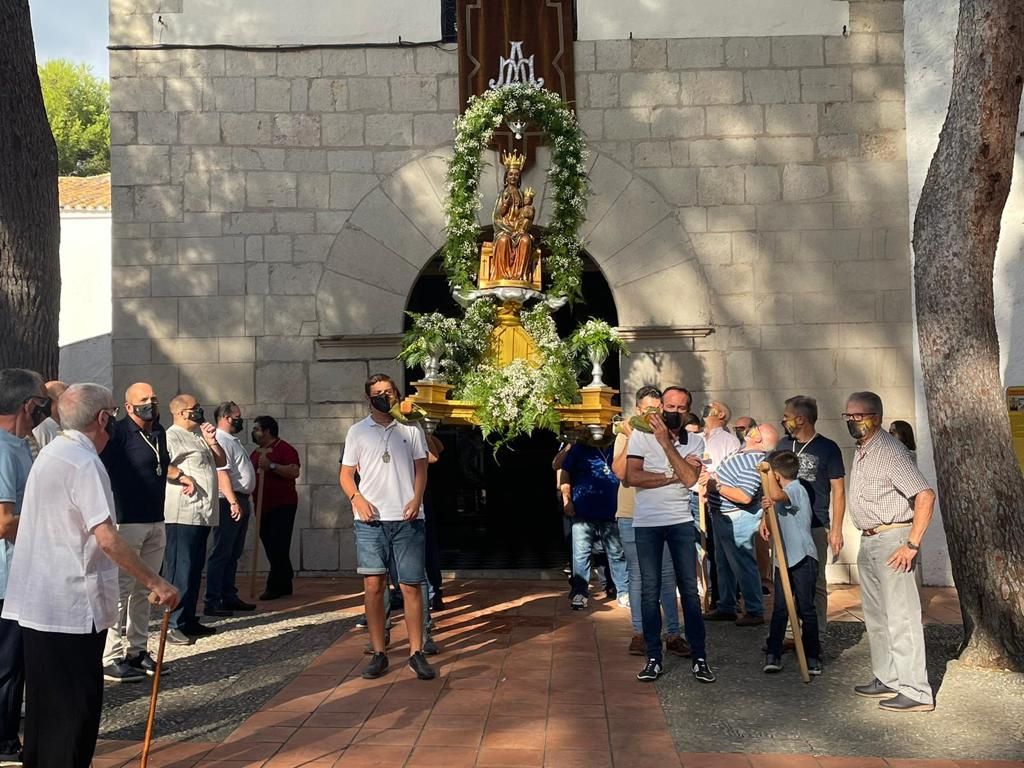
x=63, y=588
x=278, y=464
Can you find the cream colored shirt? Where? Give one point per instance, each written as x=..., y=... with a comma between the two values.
x=627, y=496
x=190, y=453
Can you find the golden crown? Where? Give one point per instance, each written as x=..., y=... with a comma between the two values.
x=513, y=160
x=529, y=192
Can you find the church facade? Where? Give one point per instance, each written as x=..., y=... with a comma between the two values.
x=279, y=172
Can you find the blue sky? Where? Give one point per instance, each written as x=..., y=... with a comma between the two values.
x=71, y=29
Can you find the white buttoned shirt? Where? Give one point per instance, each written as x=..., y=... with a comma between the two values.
x=239, y=467
x=61, y=581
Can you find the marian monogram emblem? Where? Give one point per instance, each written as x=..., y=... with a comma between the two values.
x=516, y=69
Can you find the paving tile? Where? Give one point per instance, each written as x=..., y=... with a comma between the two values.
x=373, y=756
x=850, y=762
x=451, y=737
x=497, y=757
x=577, y=758
x=922, y=763
x=184, y=754
x=314, y=743
x=448, y=757
x=243, y=750
x=390, y=737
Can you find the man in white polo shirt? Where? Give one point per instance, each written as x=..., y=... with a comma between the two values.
x=391, y=462
x=63, y=588
x=662, y=467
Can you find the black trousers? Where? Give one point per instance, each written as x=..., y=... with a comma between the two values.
x=802, y=579
x=12, y=683
x=184, y=558
x=276, y=526
x=433, y=549
x=228, y=543
x=63, y=698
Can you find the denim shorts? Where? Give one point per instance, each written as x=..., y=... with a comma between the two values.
x=378, y=541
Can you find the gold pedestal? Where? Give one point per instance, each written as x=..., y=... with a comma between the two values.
x=510, y=341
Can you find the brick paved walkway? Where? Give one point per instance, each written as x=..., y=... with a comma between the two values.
x=523, y=681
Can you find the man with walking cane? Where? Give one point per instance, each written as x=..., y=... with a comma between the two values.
x=63, y=587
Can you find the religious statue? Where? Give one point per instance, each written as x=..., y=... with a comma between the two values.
x=514, y=255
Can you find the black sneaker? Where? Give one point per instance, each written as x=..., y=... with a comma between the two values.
x=145, y=663
x=650, y=672
x=702, y=671
x=814, y=667
x=121, y=672
x=430, y=648
x=772, y=663
x=199, y=630
x=418, y=663
x=437, y=602
x=217, y=610
x=578, y=602
x=378, y=666
x=361, y=622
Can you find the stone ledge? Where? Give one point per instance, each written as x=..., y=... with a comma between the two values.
x=377, y=346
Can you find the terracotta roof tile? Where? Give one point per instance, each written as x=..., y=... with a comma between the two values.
x=84, y=193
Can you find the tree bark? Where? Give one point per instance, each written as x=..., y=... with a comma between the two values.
x=29, y=212
x=955, y=236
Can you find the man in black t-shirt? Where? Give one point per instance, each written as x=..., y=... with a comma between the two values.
x=822, y=473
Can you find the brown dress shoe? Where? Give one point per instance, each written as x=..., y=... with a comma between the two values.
x=747, y=620
x=675, y=644
x=637, y=646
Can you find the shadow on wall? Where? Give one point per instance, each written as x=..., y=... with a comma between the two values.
x=89, y=360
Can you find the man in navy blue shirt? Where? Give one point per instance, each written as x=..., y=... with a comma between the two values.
x=589, y=498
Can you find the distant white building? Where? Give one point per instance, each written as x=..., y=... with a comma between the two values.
x=85, y=219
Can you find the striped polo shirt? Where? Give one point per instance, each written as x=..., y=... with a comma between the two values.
x=740, y=471
x=883, y=482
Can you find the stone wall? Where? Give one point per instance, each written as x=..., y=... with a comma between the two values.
x=265, y=200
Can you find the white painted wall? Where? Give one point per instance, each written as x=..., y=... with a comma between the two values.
x=930, y=32
x=85, y=308
x=617, y=20
x=299, y=22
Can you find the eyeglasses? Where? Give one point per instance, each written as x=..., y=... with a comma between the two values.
x=112, y=412
x=856, y=416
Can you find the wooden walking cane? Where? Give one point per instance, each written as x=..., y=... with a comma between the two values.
x=703, y=571
x=156, y=686
x=257, y=512
x=787, y=589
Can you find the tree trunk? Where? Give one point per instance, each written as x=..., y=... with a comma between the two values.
x=29, y=212
x=955, y=237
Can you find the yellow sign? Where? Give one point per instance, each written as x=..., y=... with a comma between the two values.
x=1015, y=405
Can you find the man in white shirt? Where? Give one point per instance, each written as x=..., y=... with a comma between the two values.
x=662, y=467
x=63, y=588
x=391, y=461
x=236, y=481
x=190, y=511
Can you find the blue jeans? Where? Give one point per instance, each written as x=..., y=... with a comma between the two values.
x=669, y=604
x=584, y=532
x=802, y=579
x=379, y=542
x=736, y=562
x=183, y=567
x=228, y=543
x=681, y=539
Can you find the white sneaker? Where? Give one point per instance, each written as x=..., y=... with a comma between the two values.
x=623, y=601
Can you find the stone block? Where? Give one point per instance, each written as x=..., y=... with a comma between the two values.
x=863, y=117
x=259, y=64
x=432, y=130
x=210, y=158
x=295, y=279
x=876, y=17
x=285, y=315
x=625, y=124
x=139, y=318
x=710, y=87
x=140, y=165
x=199, y=128
x=731, y=218
x=281, y=382
x=839, y=146
x=144, y=251
x=246, y=129
x=306, y=63
x=295, y=222
x=677, y=122
x=722, y=151
x=211, y=317
x=726, y=279
x=789, y=119
x=345, y=130
x=647, y=54
x=748, y=52
x=648, y=89
x=602, y=89
x=271, y=189
x=130, y=281
x=735, y=120
x=721, y=186
x=186, y=280
x=157, y=128
x=227, y=191
x=182, y=351
x=137, y=94
x=712, y=249
x=677, y=185
x=347, y=189
x=370, y=93
x=131, y=352
x=340, y=62
x=331, y=510
x=798, y=51
x=284, y=349
x=236, y=350
x=314, y=190
x=796, y=216
x=231, y=279
x=390, y=61
x=185, y=94
x=816, y=277
x=202, y=63
x=874, y=84
x=215, y=382
x=800, y=337
x=865, y=215
x=122, y=128
x=826, y=84
x=277, y=248
x=273, y=94
x=413, y=94
x=891, y=145
x=804, y=182
x=875, y=180
x=234, y=94
x=837, y=245
x=305, y=160
x=337, y=382
x=696, y=53
x=845, y=307
x=858, y=274
x=652, y=154
x=389, y=130
x=615, y=55
x=785, y=150
x=761, y=184
x=890, y=48
x=876, y=335
x=771, y=86
x=296, y=130
x=852, y=49
x=257, y=279
x=158, y=203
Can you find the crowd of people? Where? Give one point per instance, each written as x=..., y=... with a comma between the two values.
x=677, y=504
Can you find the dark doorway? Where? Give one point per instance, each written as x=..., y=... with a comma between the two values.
x=502, y=512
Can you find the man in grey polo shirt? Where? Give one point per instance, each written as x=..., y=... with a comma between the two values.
x=891, y=504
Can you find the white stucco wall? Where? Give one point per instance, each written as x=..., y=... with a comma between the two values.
x=929, y=36
x=299, y=22
x=85, y=315
x=618, y=20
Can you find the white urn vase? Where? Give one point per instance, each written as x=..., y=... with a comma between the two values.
x=597, y=357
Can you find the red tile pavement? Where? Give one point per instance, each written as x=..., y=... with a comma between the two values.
x=500, y=699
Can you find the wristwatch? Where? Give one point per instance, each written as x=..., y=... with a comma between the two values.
x=670, y=473
x=273, y=466
x=912, y=545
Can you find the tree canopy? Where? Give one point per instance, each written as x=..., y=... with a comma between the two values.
x=78, y=110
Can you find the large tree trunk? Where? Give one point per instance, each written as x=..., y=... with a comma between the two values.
x=29, y=213
x=955, y=237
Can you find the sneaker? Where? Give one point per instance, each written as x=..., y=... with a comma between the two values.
x=717, y=615
x=675, y=644
x=145, y=664
x=650, y=672
x=430, y=648
x=814, y=667
x=578, y=602
x=418, y=663
x=623, y=601
x=901, y=703
x=177, y=637
x=437, y=602
x=120, y=672
x=702, y=671
x=199, y=630
x=750, y=620
x=11, y=754
x=378, y=666
x=874, y=690
x=368, y=648
x=772, y=663
x=361, y=622
x=637, y=646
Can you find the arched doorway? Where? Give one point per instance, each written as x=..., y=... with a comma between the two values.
x=501, y=513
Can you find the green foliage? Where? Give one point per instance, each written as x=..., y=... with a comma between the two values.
x=597, y=336
x=78, y=109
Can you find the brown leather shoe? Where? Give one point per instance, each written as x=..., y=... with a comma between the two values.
x=675, y=644
x=747, y=620
x=637, y=647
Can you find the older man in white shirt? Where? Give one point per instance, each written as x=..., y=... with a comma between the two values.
x=63, y=588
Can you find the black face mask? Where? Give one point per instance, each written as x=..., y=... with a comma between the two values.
x=146, y=411
x=673, y=419
x=237, y=425
x=381, y=403
x=109, y=426
x=196, y=415
x=41, y=413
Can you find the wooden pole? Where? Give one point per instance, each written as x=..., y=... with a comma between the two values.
x=257, y=512
x=703, y=571
x=787, y=589
x=156, y=688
